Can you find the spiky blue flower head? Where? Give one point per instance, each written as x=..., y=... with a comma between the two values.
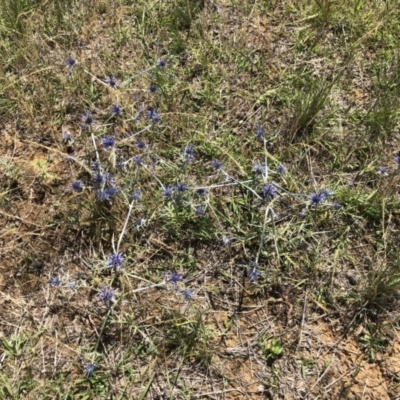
x=108, y=142
x=112, y=191
x=107, y=194
x=199, y=211
x=67, y=137
x=54, y=281
x=216, y=164
x=141, y=144
x=397, y=158
x=161, y=63
x=253, y=274
x=99, y=179
x=181, y=187
x=327, y=193
x=188, y=153
x=168, y=192
x=112, y=81
x=336, y=205
x=316, y=198
x=107, y=295
x=153, y=88
x=259, y=131
x=70, y=62
x=269, y=192
x=102, y=195
x=259, y=169
x=202, y=192
x=137, y=160
x=87, y=118
x=77, y=186
x=281, y=169
x=89, y=369
x=96, y=166
x=115, y=261
x=382, y=170
x=153, y=115
x=175, y=278
x=188, y=294
x=116, y=110
x=136, y=195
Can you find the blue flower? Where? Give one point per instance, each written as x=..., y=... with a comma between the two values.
x=89, y=369
x=259, y=131
x=397, y=157
x=112, y=81
x=70, y=62
x=54, y=281
x=107, y=295
x=67, y=137
x=202, y=192
x=336, y=205
x=77, y=186
x=188, y=294
x=137, y=160
x=175, y=278
x=106, y=194
x=161, y=63
x=116, y=110
x=136, y=195
x=153, y=115
x=281, y=169
x=168, y=192
x=181, y=187
x=216, y=164
x=253, y=274
x=141, y=144
x=199, y=211
x=259, y=169
x=153, y=88
x=102, y=195
x=188, y=153
x=87, y=118
x=269, y=192
x=319, y=197
x=382, y=170
x=99, y=179
x=327, y=193
x=112, y=191
x=316, y=198
x=108, y=142
x=96, y=166
x=115, y=261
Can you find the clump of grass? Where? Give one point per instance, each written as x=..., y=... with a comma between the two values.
x=383, y=117
x=308, y=105
x=382, y=288
x=189, y=335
